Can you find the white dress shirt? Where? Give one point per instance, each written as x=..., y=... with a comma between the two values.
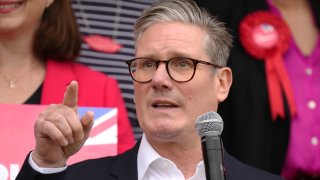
x=151, y=166
x=44, y=170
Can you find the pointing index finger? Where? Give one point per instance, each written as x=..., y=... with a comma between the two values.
x=71, y=96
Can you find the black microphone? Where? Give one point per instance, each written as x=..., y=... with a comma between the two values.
x=209, y=127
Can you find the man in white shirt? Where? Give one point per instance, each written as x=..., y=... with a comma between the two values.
x=179, y=74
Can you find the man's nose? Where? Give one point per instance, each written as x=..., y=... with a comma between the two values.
x=161, y=77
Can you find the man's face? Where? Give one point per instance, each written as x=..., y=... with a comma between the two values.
x=166, y=109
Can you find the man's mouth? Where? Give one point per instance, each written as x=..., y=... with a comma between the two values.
x=164, y=104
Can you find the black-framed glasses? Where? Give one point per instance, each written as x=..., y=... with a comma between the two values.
x=180, y=69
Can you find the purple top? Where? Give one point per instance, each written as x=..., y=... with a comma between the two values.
x=303, y=155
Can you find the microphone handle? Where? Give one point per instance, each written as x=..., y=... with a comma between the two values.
x=213, y=157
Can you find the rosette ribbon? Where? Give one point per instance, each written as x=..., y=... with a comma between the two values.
x=266, y=37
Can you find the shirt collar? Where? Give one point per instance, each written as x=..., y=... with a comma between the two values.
x=146, y=155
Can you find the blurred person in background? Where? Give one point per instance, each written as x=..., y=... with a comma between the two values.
x=272, y=115
x=39, y=40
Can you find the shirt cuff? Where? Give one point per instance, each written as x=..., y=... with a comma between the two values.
x=44, y=170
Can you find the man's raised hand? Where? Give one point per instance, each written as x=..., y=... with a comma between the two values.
x=58, y=132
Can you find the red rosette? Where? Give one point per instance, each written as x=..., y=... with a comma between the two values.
x=266, y=37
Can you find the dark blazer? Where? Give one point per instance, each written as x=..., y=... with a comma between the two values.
x=124, y=167
x=250, y=134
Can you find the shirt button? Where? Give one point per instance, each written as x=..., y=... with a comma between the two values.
x=312, y=104
x=308, y=71
x=314, y=141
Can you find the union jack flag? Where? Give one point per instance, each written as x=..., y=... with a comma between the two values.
x=103, y=137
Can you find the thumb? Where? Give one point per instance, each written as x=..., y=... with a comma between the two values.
x=87, y=123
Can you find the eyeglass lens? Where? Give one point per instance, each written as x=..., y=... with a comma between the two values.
x=179, y=69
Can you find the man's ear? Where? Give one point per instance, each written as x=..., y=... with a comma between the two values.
x=224, y=76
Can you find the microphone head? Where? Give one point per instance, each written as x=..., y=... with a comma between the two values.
x=209, y=124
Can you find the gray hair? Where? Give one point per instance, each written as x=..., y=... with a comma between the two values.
x=217, y=39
